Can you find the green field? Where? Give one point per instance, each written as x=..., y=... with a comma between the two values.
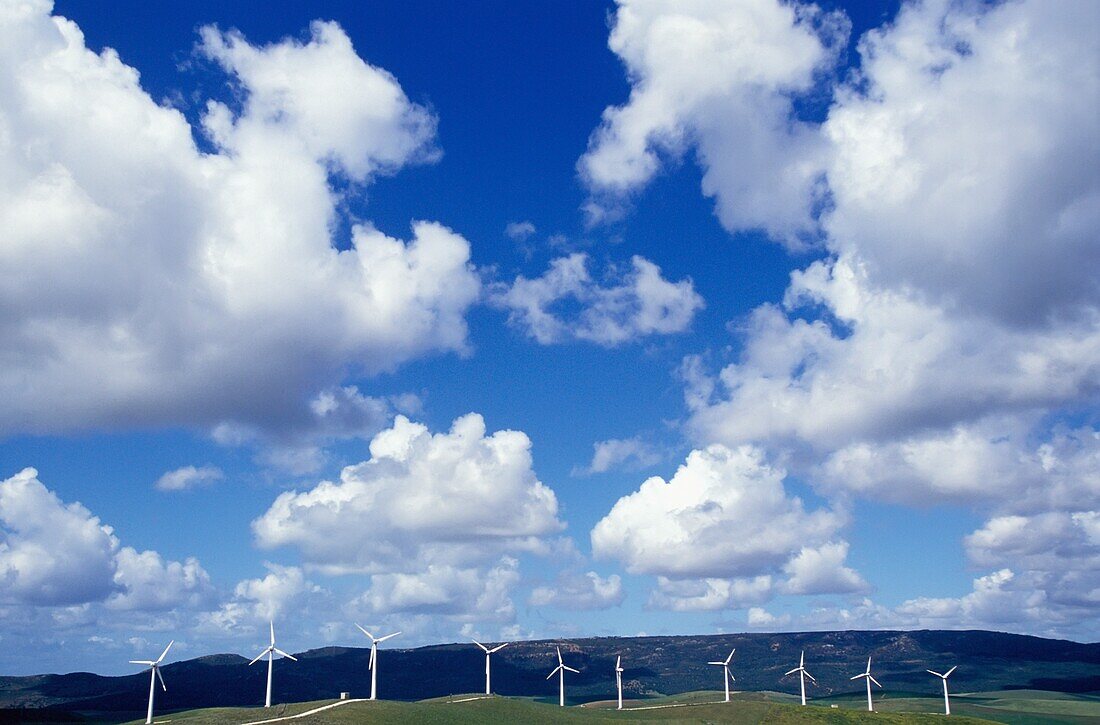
x=1017, y=707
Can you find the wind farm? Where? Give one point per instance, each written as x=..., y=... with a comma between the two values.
x=654, y=677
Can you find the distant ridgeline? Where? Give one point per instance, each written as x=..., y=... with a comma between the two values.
x=653, y=666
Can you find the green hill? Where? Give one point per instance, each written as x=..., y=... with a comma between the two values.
x=1017, y=708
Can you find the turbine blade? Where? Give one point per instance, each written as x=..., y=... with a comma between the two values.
x=141, y=662
x=619, y=662
x=559, y=655
x=868, y=664
x=802, y=659
x=858, y=676
x=554, y=672
x=571, y=669
x=872, y=679
x=258, y=658
x=499, y=647
x=272, y=624
x=365, y=632
x=937, y=674
x=730, y=674
x=284, y=654
x=948, y=673
x=731, y=656
x=796, y=669
x=159, y=677
x=479, y=644
x=162, y=654
x=722, y=663
x=811, y=677
x=388, y=636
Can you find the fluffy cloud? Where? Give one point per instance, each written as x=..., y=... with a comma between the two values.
x=887, y=366
x=956, y=315
x=821, y=570
x=52, y=553
x=56, y=554
x=965, y=159
x=1056, y=553
x=573, y=590
x=631, y=452
x=721, y=76
x=631, y=305
x=259, y=600
x=196, y=288
x=144, y=581
x=463, y=594
x=322, y=95
x=719, y=530
x=187, y=477
x=445, y=498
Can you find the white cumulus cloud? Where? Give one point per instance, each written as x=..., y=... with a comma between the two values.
x=445, y=498
x=630, y=305
x=721, y=530
x=160, y=284
x=56, y=554
x=722, y=77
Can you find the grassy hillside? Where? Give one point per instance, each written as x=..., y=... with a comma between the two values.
x=1016, y=708
x=505, y=711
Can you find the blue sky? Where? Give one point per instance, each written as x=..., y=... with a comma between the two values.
x=770, y=316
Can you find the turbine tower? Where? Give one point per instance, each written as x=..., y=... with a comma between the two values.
x=802, y=675
x=619, y=679
x=373, y=664
x=270, y=652
x=869, y=678
x=487, y=653
x=946, y=699
x=154, y=675
x=726, y=670
x=560, y=670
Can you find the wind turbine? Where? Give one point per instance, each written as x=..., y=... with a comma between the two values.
x=726, y=670
x=373, y=664
x=154, y=675
x=270, y=652
x=946, y=699
x=619, y=679
x=802, y=675
x=870, y=678
x=560, y=670
x=487, y=653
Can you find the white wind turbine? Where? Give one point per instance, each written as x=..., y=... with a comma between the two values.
x=619, y=679
x=802, y=675
x=726, y=670
x=946, y=699
x=560, y=670
x=869, y=678
x=270, y=652
x=154, y=675
x=373, y=664
x=487, y=653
